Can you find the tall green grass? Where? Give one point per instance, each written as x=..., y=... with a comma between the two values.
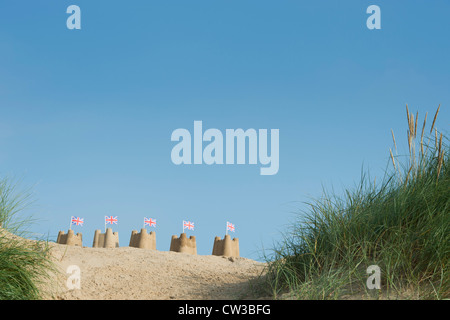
x=402, y=225
x=24, y=264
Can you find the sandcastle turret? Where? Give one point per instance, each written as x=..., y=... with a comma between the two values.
x=226, y=247
x=143, y=239
x=106, y=240
x=183, y=244
x=70, y=238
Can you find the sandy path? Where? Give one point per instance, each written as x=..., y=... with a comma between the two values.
x=133, y=273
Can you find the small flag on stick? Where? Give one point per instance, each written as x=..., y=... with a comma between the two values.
x=77, y=221
x=188, y=225
x=110, y=220
x=149, y=222
x=230, y=227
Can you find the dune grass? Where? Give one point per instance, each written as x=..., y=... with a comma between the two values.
x=402, y=225
x=24, y=264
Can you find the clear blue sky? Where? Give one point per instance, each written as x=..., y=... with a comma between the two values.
x=86, y=115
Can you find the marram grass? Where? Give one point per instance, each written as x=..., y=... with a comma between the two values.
x=24, y=264
x=402, y=225
x=23, y=267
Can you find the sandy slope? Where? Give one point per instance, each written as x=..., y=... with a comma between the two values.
x=132, y=273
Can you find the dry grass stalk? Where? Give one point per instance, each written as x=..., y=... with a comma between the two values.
x=407, y=113
x=440, y=156
x=412, y=135
x=407, y=175
x=393, y=138
x=412, y=127
x=434, y=120
x=415, y=126
x=421, y=136
x=436, y=138
x=392, y=157
x=410, y=131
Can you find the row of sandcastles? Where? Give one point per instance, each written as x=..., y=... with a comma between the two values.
x=109, y=239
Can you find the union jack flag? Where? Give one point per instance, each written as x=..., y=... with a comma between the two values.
x=150, y=222
x=111, y=220
x=77, y=220
x=230, y=226
x=189, y=225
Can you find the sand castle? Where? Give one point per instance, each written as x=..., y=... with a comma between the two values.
x=222, y=247
x=183, y=244
x=143, y=239
x=106, y=240
x=70, y=239
x=226, y=247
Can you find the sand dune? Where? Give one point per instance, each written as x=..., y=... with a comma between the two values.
x=133, y=273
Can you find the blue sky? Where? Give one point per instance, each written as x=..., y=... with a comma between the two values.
x=86, y=115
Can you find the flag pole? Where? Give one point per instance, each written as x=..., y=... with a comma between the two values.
x=70, y=225
x=105, y=224
x=226, y=229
